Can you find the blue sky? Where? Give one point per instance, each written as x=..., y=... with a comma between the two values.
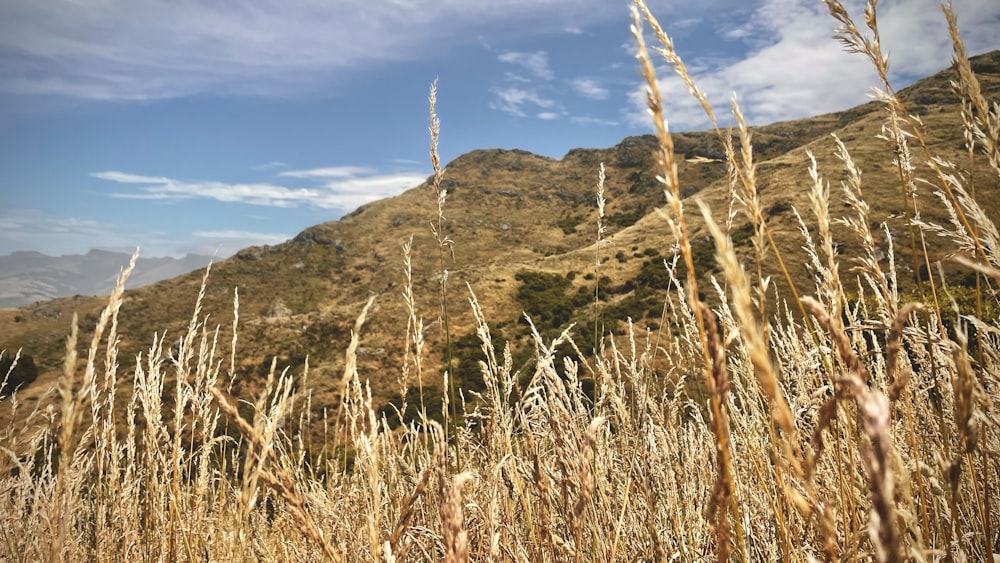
x=207, y=126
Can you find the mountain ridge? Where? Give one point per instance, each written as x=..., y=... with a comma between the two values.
x=510, y=211
x=28, y=276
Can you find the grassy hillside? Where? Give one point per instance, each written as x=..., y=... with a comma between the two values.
x=769, y=354
x=511, y=211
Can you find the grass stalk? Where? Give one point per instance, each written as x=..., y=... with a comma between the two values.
x=445, y=246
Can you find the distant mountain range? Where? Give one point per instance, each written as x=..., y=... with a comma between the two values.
x=28, y=277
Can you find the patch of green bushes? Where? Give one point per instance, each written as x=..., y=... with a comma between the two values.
x=544, y=297
x=22, y=374
x=742, y=235
x=626, y=218
x=433, y=403
x=569, y=224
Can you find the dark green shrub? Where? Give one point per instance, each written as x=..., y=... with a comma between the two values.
x=742, y=235
x=467, y=352
x=569, y=224
x=703, y=256
x=544, y=298
x=626, y=218
x=23, y=374
x=641, y=304
x=653, y=275
x=433, y=402
x=778, y=207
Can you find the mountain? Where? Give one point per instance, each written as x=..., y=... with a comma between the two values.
x=28, y=277
x=524, y=228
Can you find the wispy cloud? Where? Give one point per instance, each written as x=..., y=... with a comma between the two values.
x=738, y=32
x=227, y=243
x=162, y=188
x=274, y=238
x=517, y=101
x=126, y=178
x=685, y=23
x=349, y=193
x=273, y=165
x=22, y=228
x=514, y=77
x=589, y=88
x=537, y=63
x=522, y=95
x=148, y=49
x=341, y=188
x=588, y=120
x=793, y=68
x=344, y=187
x=25, y=223
x=331, y=172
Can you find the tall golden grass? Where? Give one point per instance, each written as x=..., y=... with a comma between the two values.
x=831, y=429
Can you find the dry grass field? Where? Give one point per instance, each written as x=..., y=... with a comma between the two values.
x=760, y=414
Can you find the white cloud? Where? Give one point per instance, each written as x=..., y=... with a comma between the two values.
x=916, y=36
x=275, y=237
x=536, y=63
x=226, y=243
x=274, y=164
x=737, y=33
x=344, y=187
x=686, y=23
x=795, y=69
x=349, y=193
x=331, y=172
x=588, y=120
x=513, y=100
x=19, y=224
x=126, y=178
x=27, y=228
x=242, y=238
x=149, y=49
x=573, y=30
x=521, y=95
x=169, y=189
x=512, y=77
x=330, y=188
x=589, y=88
